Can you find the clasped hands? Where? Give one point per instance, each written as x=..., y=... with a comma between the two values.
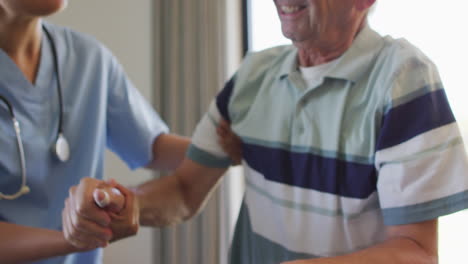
x=87, y=226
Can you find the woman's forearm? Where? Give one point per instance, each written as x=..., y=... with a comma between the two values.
x=20, y=244
x=168, y=152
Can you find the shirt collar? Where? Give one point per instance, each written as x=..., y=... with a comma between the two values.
x=352, y=64
x=289, y=65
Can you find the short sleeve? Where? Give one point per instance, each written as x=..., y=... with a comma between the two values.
x=420, y=158
x=205, y=148
x=132, y=123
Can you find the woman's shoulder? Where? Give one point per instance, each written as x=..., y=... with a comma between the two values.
x=71, y=42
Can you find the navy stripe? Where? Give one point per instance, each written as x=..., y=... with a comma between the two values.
x=414, y=118
x=339, y=177
x=222, y=100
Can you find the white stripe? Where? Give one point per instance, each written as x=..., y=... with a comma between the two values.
x=432, y=176
x=311, y=233
x=329, y=204
x=205, y=136
x=417, y=144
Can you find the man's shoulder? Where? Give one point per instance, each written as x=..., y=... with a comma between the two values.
x=398, y=53
x=403, y=70
x=402, y=63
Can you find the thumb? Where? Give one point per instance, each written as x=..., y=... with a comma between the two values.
x=109, y=198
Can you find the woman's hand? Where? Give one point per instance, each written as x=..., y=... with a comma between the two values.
x=86, y=225
x=229, y=141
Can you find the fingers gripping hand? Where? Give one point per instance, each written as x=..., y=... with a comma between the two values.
x=125, y=223
x=229, y=141
x=85, y=225
x=81, y=233
x=109, y=198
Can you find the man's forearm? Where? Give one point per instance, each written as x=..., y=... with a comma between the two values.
x=19, y=244
x=157, y=203
x=161, y=202
x=175, y=198
x=395, y=251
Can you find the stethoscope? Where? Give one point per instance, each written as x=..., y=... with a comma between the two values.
x=60, y=148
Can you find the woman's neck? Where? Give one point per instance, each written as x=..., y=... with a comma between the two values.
x=21, y=40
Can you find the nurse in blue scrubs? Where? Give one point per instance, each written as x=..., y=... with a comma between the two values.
x=64, y=98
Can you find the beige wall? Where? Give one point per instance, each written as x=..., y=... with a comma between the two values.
x=125, y=27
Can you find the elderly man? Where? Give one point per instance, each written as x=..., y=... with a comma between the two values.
x=350, y=149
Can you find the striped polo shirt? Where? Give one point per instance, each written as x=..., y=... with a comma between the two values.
x=328, y=166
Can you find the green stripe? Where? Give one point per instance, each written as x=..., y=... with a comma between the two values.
x=307, y=207
x=207, y=159
x=415, y=94
x=425, y=211
x=437, y=149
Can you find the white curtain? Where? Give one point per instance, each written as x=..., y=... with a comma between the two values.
x=193, y=58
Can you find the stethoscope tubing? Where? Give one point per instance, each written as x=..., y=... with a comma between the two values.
x=24, y=188
x=59, y=83
x=19, y=142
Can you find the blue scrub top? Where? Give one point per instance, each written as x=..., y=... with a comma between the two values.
x=101, y=108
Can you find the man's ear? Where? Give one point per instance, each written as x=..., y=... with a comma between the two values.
x=364, y=4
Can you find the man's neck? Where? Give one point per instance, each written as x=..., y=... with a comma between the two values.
x=309, y=56
x=313, y=54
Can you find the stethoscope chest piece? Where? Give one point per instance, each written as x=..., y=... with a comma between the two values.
x=61, y=149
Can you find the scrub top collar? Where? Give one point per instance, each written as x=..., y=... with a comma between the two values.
x=13, y=82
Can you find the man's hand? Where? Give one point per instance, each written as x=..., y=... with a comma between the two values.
x=229, y=141
x=126, y=222
x=86, y=225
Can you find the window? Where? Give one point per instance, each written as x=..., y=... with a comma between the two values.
x=438, y=29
